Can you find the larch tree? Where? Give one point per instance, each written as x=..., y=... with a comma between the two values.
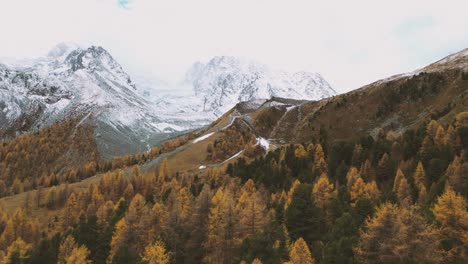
x=401, y=187
x=439, y=138
x=300, y=253
x=320, y=164
x=118, y=240
x=374, y=244
x=222, y=229
x=252, y=210
x=323, y=191
x=71, y=211
x=295, y=184
x=127, y=241
x=450, y=211
x=420, y=242
x=256, y=261
x=432, y=128
x=156, y=253
x=457, y=174
x=177, y=224
x=462, y=119
x=65, y=250
x=398, y=235
x=420, y=175
x=300, y=152
x=351, y=177
x=198, y=236
x=17, y=252
x=79, y=255
x=163, y=172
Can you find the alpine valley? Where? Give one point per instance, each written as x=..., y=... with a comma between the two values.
x=240, y=164
x=89, y=84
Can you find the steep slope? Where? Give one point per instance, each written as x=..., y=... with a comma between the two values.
x=398, y=104
x=73, y=81
x=87, y=82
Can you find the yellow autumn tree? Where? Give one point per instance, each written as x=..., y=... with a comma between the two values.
x=432, y=128
x=156, y=253
x=351, y=177
x=295, y=184
x=300, y=253
x=457, y=173
x=451, y=212
x=420, y=175
x=118, y=238
x=222, y=229
x=17, y=252
x=323, y=191
x=65, y=250
x=79, y=255
x=398, y=235
x=320, y=165
x=300, y=152
x=401, y=187
x=462, y=119
x=253, y=213
x=163, y=172
x=256, y=261
x=359, y=189
x=71, y=211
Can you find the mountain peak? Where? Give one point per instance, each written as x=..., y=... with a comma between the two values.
x=225, y=80
x=92, y=58
x=62, y=50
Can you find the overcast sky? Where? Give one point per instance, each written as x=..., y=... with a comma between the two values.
x=351, y=43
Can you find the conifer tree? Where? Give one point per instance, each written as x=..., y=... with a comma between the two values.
x=420, y=176
x=401, y=187
x=451, y=212
x=300, y=253
x=252, y=210
x=156, y=254
x=17, y=252
x=221, y=229
x=79, y=255
x=323, y=191
x=71, y=211
x=300, y=152
x=398, y=235
x=66, y=249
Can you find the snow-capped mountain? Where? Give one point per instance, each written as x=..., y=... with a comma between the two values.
x=74, y=81
x=87, y=82
x=225, y=81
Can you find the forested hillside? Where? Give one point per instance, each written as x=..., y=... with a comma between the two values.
x=377, y=175
x=399, y=198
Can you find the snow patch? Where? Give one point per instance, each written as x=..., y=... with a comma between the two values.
x=264, y=143
x=167, y=127
x=233, y=157
x=202, y=138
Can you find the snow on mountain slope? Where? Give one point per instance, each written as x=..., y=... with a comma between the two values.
x=225, y=81
x=76, y=81
x=73, y=81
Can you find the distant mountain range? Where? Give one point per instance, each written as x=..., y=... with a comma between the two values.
x=88, y=83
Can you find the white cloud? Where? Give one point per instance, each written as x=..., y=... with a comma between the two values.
x=350, y=43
